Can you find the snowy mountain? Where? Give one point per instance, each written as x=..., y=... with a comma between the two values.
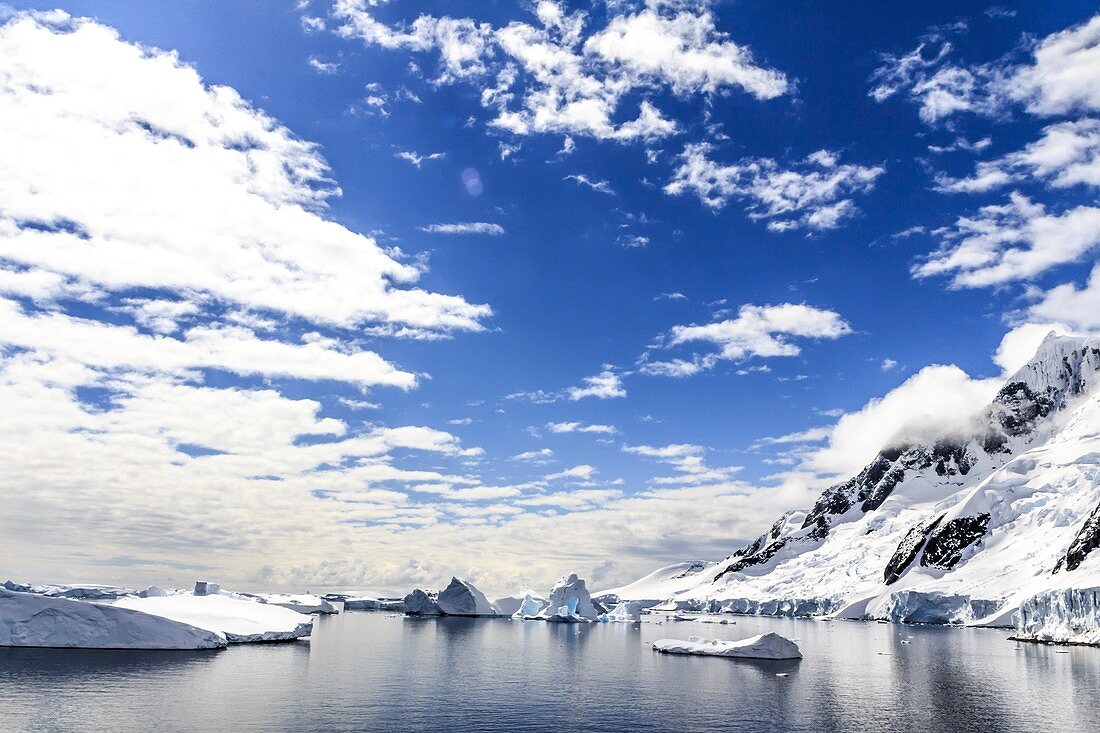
x=964, y=528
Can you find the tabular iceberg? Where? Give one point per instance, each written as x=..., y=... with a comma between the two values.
x=301, y=602
x=240, y=620
x=43, y=621
x=765, y=646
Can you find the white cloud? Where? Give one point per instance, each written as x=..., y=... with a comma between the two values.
x=468, y=227
x=1078, y=307
x=134, y=175
x=583, y=472
x=565, y=76
x=887, y=364
x=1067, y=154
x=757, y=331
x=578, y=427
x=417, y=159
x=1014, y=241
x=811, y=194
x=810, y=435
x=327, y=68
x=605, y=385
x=582, y=180
x=538, y=457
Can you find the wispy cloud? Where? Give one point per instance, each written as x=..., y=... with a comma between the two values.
x=468, y=227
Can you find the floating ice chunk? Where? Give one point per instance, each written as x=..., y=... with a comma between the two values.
x=206, y=588
x=300, y=602
x=569, y=602
x=421, y=603
x=513, y=604
x=461, y=598
x=765, y=646
x=627, y=612
x=530, y=607
x=77, y=592
x=43, y=621
x=239, y=620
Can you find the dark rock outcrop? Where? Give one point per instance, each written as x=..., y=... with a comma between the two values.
x=945, y=546
x=1086, y=540
x=908, y=549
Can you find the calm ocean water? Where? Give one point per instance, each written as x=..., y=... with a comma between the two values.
x=370, y=671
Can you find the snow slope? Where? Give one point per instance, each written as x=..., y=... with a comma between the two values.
x=966, y=528
x=38, y=620
x=239, y=620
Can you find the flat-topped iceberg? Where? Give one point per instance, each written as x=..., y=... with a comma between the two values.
x=569, y=602
x=764, y=646
x=461, y=598
x=240, y=620
x=369, y=603
x=37, y=620
x=627, y=612
x=78, y=592
x=300, y=602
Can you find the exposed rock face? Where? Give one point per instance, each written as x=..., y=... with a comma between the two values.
x=945, y=546
x=907, y=551
x=1087, y=540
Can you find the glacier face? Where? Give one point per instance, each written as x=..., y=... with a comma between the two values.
x=993, y=526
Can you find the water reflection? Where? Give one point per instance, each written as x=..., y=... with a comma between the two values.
x=370, y=671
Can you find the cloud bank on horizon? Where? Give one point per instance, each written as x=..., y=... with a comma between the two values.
x=208, y=368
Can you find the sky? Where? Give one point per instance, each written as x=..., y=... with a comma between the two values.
x=369, y=293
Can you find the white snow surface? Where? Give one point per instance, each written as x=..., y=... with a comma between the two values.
x=240, y=620
x=37, y=620
x=1039, y=491
x=462, y=598
x=300, y=602
x=764, y=646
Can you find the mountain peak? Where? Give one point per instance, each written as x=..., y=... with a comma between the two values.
x=1062, y=367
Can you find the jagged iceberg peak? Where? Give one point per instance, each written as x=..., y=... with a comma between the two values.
x=1063, y=367
x=570, y=601
x=462, y=598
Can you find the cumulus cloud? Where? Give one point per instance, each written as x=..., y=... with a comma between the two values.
x=122, y=170
x=605, y=385
x=1017, y=240
x=571, y=73
x=466, y=227
x=814, y=193
x=765, y=331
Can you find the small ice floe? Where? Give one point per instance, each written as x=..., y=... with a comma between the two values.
x=782, y=674
x=238, y=618
x=764, y=646
x=715, y=620
x=37, y=620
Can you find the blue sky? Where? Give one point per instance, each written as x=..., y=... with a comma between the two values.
x=798, y=182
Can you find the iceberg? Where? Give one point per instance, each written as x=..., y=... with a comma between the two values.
x=302, y=602
x=569, y=602
x=627, y=612
x=77, y=592
x=367, y=603
x=421, y=603
x=239, y=620
x=530, y=607
x=37, y=620
x=764, y=646
x=513, y=604
x=206, y=588
x=461, y=598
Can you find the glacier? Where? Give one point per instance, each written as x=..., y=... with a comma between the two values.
x=992, y=525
